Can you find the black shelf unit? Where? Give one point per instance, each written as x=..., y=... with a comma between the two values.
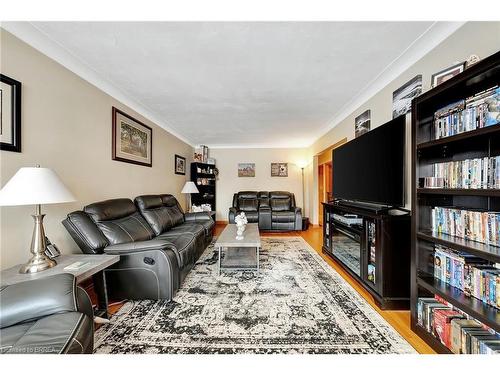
x=376, y=253
x=204, y=177
x=426, y=151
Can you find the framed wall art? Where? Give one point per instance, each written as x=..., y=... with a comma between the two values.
x=402, y=97
x=279, y=169
x=132, y=140
x=246, y=169
x=180, y=165
x=10, y=114
x=362, y=123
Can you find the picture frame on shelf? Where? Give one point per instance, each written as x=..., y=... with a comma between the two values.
x=132, y=140
x=10, y=114
x=180, y=165
x=279, y=169
x=445, y=74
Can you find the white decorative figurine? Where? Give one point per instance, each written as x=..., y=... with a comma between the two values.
x=241, y=222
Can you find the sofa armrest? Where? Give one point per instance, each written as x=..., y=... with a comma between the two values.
x=232, y=214
x=33, y=299
x=139, y=246
x=298, y=218
x=197, y=216
x=265, y=221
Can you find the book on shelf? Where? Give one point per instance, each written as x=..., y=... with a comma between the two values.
x=478, y=173
x=473, y=113
x=479, y=226
x=475, y=276
x=456, y=330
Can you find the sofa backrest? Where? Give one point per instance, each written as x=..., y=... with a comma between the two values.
x=281, y=200
x=246, y=201
x=119, y=221
x=162, y=212
x=85, y=232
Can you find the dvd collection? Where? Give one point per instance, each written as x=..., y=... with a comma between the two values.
x=455, y=329
x=480, y=173
x=480, y=226
x=475, y=276
x=473, y=113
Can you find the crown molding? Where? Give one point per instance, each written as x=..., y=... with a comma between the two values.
x=37, y=39
x=426, y=42
x=259, y=146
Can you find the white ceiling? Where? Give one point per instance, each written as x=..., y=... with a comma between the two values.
x=252, y=84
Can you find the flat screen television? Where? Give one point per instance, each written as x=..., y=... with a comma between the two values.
x=371, y=168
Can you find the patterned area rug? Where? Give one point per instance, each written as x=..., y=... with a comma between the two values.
x=297, y=304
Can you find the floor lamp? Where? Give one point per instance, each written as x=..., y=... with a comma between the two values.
x=302, y=165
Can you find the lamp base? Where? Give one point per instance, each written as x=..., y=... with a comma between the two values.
x=37, y=263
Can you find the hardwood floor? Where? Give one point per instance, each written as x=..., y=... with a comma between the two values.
x=400, y=320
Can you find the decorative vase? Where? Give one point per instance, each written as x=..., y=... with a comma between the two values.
x=241, y=222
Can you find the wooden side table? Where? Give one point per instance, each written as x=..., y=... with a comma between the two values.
x=97, y=263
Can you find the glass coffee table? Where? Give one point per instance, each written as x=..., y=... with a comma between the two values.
x=239, y=254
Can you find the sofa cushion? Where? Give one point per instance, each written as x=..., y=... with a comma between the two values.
x=58, y=333
x=280, y=204
x=185, y=244
x=248, y=204
x=252, y=216
x=283, y=216
x=162, y=212
x=119, y=221
x=188, y=227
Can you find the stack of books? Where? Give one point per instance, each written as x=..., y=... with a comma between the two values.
x=480, y=173
x=456, y=330
x=475, y=112
x=475, y=276
x=472, y=225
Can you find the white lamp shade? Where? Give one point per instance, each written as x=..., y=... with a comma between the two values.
x=34, y=186
x=190, y=188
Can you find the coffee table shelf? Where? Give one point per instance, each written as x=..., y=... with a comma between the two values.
x=239, y=254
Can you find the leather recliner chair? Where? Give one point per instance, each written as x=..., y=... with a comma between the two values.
x=50, y=315
x=158, y=244
x=273, y=211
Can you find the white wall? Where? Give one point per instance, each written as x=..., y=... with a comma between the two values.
x=229, y=183
x=66, y=126
x=481, y=38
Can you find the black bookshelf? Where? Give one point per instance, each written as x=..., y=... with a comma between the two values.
x=426, y=151
x=204, y=177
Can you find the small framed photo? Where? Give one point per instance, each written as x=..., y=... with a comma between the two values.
x=10, y=114
x=279, y=169
x=446, y=74
x=180, y=165
x=132, y=140
x=362, y=123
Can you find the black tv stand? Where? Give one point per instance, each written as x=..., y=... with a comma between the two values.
x=373, y=246
x=372, y=207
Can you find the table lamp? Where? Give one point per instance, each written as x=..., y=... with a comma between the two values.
x=189, y=188
x=35, y=186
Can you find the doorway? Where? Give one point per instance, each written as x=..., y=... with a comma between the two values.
x=325, y=177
